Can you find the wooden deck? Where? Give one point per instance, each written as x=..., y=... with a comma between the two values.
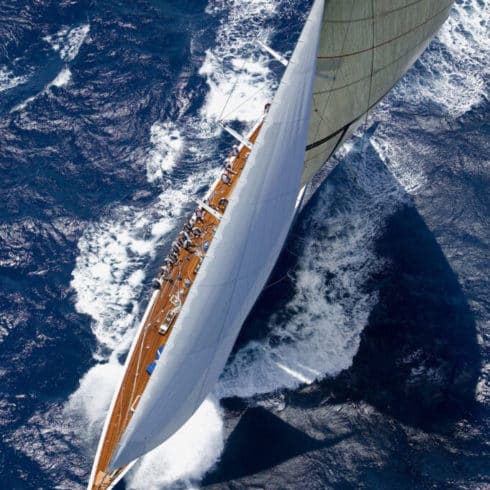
x=176, y=279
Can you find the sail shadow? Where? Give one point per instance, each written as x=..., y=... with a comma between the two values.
x=260, y=441
x=418, y=358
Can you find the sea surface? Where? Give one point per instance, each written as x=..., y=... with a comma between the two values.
x=366, y=361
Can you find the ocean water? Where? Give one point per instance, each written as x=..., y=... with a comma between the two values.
x=366, y=361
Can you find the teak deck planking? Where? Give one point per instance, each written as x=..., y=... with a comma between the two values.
x=150, y=340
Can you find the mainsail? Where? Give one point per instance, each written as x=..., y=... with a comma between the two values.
x=241, y=256
x=365, y=48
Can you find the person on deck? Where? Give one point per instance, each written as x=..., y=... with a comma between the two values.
x=226, y=179
x=229, y=168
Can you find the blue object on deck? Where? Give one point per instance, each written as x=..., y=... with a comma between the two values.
x=159, y=351
x=150, y=368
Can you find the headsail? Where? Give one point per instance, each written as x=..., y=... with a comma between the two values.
x=238, y=263
x=365, y=48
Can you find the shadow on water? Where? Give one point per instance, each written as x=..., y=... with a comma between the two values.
x=418, y=360
x=247, y=454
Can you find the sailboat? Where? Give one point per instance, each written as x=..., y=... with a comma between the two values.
x=348, y=57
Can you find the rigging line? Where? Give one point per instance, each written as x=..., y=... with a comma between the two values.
x=232, y=89
x=278, y=281
x=297, y=255
x=244, y=102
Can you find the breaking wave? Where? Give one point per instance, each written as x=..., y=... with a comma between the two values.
x=62, y=79
x=67, y=42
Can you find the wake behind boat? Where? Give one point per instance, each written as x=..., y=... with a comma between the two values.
x=171, y=289
x=346, y=59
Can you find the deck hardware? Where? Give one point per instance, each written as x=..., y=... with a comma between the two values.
x=210, y=210
x=133, y=406
x=273, y=53
x=237, y=136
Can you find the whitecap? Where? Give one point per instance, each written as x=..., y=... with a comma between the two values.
x=167, y=145
x=456, y=66
x=237, y=72
x=8, y=80
x=68, y=41
x=62, y=79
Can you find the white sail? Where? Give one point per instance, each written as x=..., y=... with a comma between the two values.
x=238, y=263
x=365, y=48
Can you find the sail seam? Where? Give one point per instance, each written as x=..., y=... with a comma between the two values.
x=384, y=67
x=327, y=102
x=388, y=41
x=324, y=140
x=381, y=14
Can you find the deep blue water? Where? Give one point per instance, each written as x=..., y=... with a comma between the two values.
x=379, y=302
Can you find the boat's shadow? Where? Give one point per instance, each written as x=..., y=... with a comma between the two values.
x=262, y=440
x=418, y=361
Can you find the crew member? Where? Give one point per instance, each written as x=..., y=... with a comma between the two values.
x=226, y=179
x=223, y=202
x=229, y=168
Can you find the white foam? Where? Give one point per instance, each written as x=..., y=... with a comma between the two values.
x=405, y=159
x=68, y=41
x=22, y=105
x=237, y=73
x=483, y=386
x=8, y=80
x=109, y=272
x=167, y=144
x=456, y=71
x=62, y=79
x=89, y=404
x=187, y=455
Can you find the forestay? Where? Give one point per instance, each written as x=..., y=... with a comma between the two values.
x=365, y=48
x=238, y=263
